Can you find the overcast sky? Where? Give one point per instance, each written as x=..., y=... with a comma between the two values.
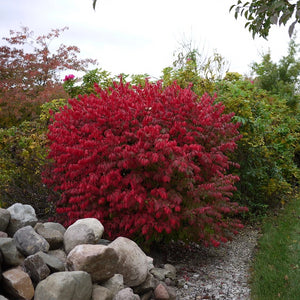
x=139, y=36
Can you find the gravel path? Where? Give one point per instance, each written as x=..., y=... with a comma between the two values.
x=221, y=273
x=215, y=273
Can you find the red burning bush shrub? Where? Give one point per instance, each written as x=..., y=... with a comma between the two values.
x=146, y=162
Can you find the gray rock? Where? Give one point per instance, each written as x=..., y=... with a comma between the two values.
x=60, y=254
x=170, y=282
x=20, y=215
x=101, y=262
x=172, y=292
x=114, y=284
x=172, y=271
x=78, y=235
x=4, y=219
x=93, y=224
x=55, y=226
x=36, y=268
x=53, y=237
x=75, y=285
x=126, y=294
x=17, y=284
x=54, y=263
x=1, y=261
x=101, y=293
x=104, y=242
x=3, y=298
x=3, y=234
x=11, y=255
x=133, y=264
x=159, y=273
x=150, y=263
x=148, y=285
x=29, y=242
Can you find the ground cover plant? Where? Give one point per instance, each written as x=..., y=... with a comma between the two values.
x=275, y=273
x=148, y=162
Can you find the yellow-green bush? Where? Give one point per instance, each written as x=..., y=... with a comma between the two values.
x=23, y=154
x=266, y=151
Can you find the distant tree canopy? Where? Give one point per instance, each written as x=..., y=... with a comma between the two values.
x=30, y=73
x=281, y=78
x=261, y=14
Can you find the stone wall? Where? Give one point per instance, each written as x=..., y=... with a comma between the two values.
x=45, y=261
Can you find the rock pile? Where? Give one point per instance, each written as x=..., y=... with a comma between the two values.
x=45, y=261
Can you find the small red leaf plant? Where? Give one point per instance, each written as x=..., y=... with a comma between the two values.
x=147, y=162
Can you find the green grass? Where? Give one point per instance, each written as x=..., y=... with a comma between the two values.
x=276, y=267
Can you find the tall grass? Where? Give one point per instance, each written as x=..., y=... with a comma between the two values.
x=276, y=268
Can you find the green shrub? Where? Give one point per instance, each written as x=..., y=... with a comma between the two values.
x=267, y=150
x=75, y=87
x=23, y=151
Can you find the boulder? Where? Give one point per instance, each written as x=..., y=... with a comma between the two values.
x=133, y=264
x=17, y=284
x=101, y=262
x=80, y=257
x=77, y=235
x=29, y=242
x=93, y=224
x=148, y=285
x=20, y=215
x=54, y=237
x=55, y=226
x=60, y=254
x=126, y=294
x=3, y=234
x=53, y=263
x=1, y=261
x=101, y=293
x=159, y=273
x=4, y=219
x=114, y=284
x=75, y=285
x=36, y=268
x=11, y=255
x=171, y=271
x=161, y=292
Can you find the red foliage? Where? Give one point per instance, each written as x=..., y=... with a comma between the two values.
x=30, y=78
x=146, y=162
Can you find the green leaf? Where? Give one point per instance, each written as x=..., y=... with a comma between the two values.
x=94, y=4
x=231, y=7
x=274, y=19
x=291, y=28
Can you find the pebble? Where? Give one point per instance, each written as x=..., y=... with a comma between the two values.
x=217, y=273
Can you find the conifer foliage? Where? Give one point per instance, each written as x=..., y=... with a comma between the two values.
x=147, y=162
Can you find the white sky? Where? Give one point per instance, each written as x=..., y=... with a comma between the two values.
x=139, y=36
